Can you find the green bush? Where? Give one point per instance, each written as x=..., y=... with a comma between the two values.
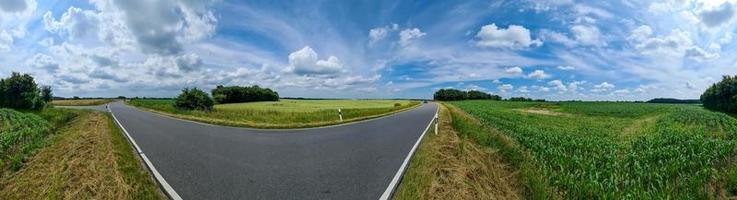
x=193, y=99
x=722, y=96
x=21, y=92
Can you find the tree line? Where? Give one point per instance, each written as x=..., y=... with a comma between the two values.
x=458, y=95
x=196, y=99
x=721, y=96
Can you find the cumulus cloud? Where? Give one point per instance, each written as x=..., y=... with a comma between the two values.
x=717, y=16
x=513, y=70
x=603, y=87
x=514, y=36
x=523, y=90
x=558, y=85
x=586, y=35
x=406, y=36
x=505, y=88
x=75, y=22
x=305, y=62
x=538, y=74
x=677, y=43
x=189, y=62
x=44, y=62
x=377, y=34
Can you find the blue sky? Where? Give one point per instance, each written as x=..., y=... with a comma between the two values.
x=558, y=49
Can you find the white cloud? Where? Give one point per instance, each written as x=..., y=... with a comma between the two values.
x=515, y=36
x=558, y=85
x=603, y=87
x=44, y=62
x=505, y=87
x=566, y=67
x=305, y=62
x=690, y=86
x=586, y=35
x=622, y=92
x=76, y=23
x=406, y=36
x=377, y=34
x=548, y=35
x=641, y=33
x=6, y=41
x=717, y=16
x=513, y=70
x=678, y=43
x=523, y=89
x=538, y=74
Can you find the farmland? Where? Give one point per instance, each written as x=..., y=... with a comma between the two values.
x=283, y=113
x=584, y=150
x=81, y=102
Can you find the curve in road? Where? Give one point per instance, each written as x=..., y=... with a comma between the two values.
x=353, y=161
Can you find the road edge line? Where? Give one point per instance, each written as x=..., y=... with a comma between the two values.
x=157, y=176
x=389, y=192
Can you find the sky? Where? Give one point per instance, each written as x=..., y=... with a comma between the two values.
x=556, y=49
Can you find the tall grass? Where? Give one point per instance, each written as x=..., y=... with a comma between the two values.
x=687, y=152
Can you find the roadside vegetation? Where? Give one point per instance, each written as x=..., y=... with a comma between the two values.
x=80, y=102
x=281, y=114
x=450, y=165
x=88, y=159
x=585, y=150
x=54, y=153
x=237, y=94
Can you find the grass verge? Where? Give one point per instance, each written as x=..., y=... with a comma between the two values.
x=447, y=166
x=244, y=116
x=81, y=102
x=88, y=159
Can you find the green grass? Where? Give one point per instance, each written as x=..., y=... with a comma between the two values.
x=282, y=114
x=589, y=150
x=22, y=133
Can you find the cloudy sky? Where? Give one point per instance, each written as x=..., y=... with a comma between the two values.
x=560, y=49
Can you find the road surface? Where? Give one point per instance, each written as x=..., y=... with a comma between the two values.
x=199, y=161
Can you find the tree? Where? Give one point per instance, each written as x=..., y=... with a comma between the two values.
x=722, y=96
x=238, y=94
x=20, y=92
x=46, y=94
x=193, y=99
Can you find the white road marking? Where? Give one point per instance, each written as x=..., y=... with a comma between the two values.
x=167, y=188
x=393, y=185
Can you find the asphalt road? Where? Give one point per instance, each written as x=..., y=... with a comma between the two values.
x=353, y=161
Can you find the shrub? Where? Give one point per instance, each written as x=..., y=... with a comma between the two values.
x=722, y=96
x=21, y=92
x=238, y=94
x=397, y=104
x=193, y=99
x=455, y=95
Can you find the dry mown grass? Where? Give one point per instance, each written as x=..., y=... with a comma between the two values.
x=87, y=160
x=81, y=102
x=449, y=167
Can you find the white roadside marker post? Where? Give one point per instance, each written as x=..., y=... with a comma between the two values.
x=437, y=121
x=340, y=114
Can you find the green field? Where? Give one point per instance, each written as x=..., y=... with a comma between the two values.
x=284, y=113
x=585, y=150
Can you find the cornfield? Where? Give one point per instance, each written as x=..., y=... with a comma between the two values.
x=603, y=150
